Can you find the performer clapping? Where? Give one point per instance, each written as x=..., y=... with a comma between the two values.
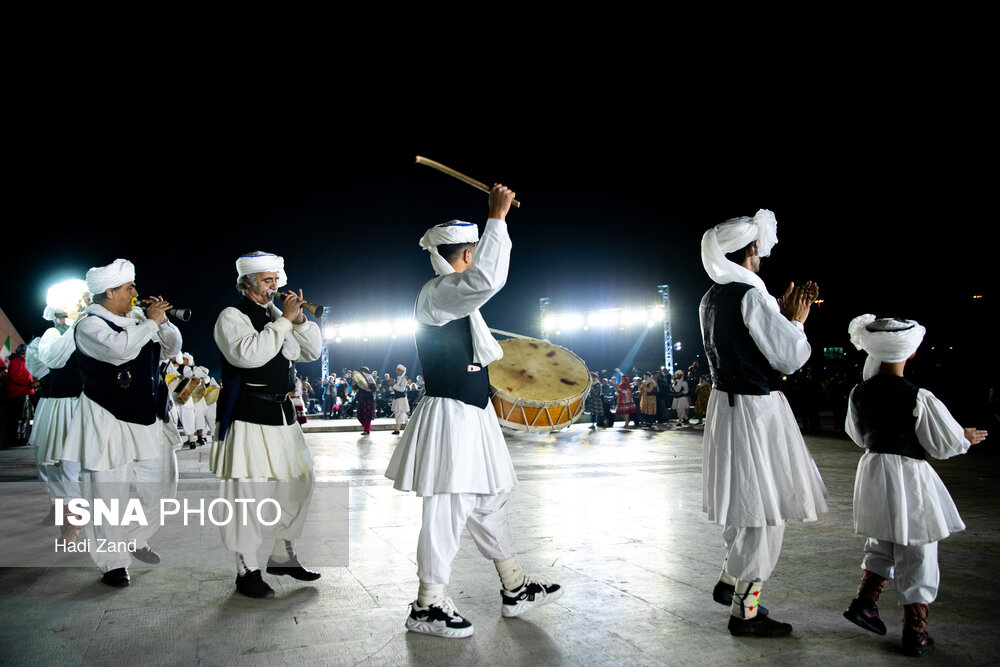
x=758, y=473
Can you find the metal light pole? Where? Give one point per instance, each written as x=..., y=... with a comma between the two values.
x=325, y=358
x=668, y=338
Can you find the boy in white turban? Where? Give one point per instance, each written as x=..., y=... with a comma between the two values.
x=452, y=453
x=900, y=504
x=758, y=473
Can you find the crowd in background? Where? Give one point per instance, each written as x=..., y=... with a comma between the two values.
x=336, y=396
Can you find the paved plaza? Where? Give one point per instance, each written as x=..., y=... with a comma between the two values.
x=613, y=515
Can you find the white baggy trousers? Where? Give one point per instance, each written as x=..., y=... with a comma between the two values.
x=154, y=480
x=446, y=516
x=914, y=566
x=293, y=497
x=752, y=551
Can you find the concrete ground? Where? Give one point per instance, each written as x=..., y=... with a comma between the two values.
x=613, y=515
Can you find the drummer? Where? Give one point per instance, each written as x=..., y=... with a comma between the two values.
x=452, y=453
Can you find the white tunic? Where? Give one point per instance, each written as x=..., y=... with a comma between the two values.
x=680, y=403
x=53, y=415
x=449, y=446
x=902, y=499
x=96, y=439
x=260, y=450
x=400, y=406
x=757, y=469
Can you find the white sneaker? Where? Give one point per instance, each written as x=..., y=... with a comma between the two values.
x=440, y=619
x=531, y=594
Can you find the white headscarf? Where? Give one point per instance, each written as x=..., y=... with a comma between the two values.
x=732, y=235
x=102, y=278
x=401, y=367
x=486, y=350
x=248, y=264
x=886, y=340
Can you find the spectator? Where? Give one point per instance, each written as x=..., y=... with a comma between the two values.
x=20, y=385
x=595, y=402
x=647, y=400
x=626, y=404
x=680, y=391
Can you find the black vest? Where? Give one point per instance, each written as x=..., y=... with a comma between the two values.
x=132, y=391
x=65, y=382
x=883, y=407
x=261, y=404
x=445, y=354
x=736, y=363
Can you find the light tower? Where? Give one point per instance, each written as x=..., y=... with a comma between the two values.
x=325, y=358
x=668, y=338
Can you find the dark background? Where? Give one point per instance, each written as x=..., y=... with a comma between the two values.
x=881, y=203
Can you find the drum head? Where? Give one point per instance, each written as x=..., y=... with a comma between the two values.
x=536, y=370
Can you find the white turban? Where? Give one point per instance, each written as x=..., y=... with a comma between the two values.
x=101, y=278
x=401, y=367
x=248, y=264
x=455, y=231
x=886, y=340
x=486, y=349
x=732, y=235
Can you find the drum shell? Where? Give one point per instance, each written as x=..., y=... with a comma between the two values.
x=185, y=389
x=211, y=395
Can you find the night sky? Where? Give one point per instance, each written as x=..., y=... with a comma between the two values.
x=886, y=219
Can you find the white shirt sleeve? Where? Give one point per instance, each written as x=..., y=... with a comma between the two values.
x=782, y=342
x=309, y=339
x=457, y=295
x=99, y=341
x=245, y=347
x=400, y=384
x=937, y=431
x=851, y=422
x=170, y=340
x=55, y=349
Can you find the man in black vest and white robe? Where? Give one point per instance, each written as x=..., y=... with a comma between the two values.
x=758, y=473
x=259, y=450
x=453, y=453
x=59, y=369
x=119, y=433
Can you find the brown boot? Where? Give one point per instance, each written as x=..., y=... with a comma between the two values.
x=863, y=611
x=916, y=641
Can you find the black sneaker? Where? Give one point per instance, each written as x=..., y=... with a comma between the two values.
x=758, y=626
x=723, y=594
x=531, y=594
x=440, y=619
x=865, y=615
x=252, y=585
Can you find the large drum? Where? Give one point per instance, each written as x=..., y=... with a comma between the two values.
x=538, y=386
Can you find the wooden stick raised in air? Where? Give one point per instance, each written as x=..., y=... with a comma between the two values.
x=460, y=176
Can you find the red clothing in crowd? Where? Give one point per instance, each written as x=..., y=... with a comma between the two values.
x=18, y=378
